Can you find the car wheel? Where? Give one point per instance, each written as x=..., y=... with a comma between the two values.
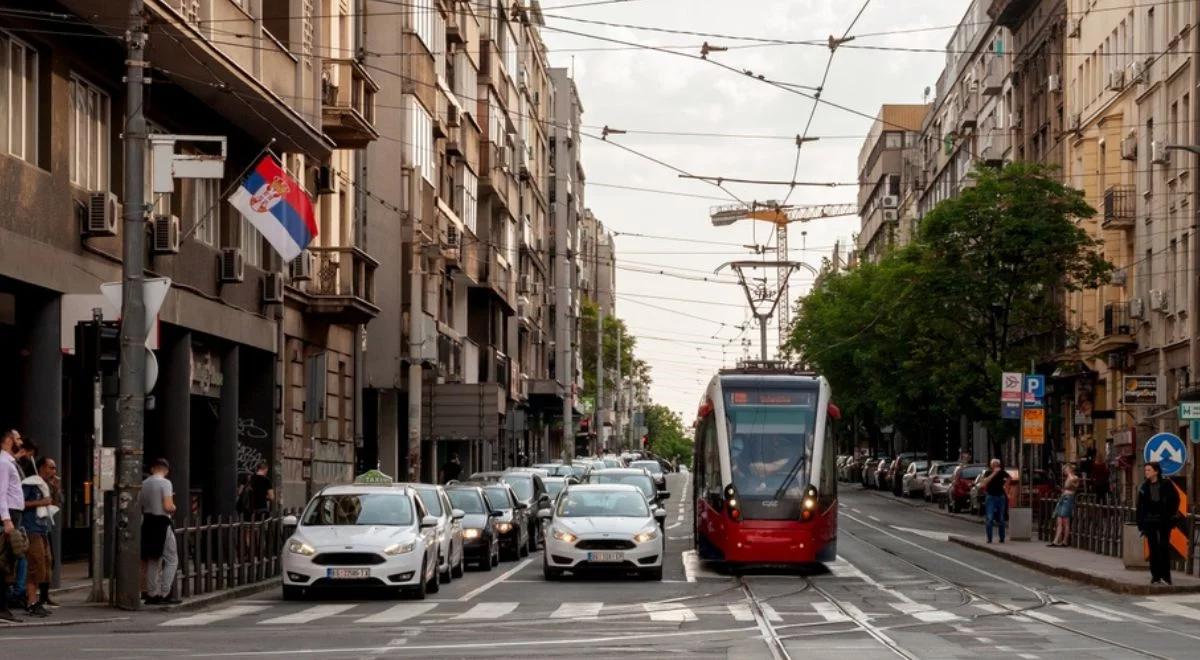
x=496, y=557
x=523, y=548
x=418, y=592
x=652, y=574
x=551, y=574
x=292, y=593
x=434, y=584
x=458, y=569
x=445, y=577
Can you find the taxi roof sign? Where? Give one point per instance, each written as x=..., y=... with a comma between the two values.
x=374, y=478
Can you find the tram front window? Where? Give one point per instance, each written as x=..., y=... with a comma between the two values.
x=770, y=434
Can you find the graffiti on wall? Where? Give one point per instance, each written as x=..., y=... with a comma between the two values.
x=249, y=455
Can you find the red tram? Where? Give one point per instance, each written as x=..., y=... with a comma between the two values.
x=764, y=477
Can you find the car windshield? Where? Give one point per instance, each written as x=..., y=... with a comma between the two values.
x=945, y=469
x=645, y=484
x=522, y=486
x=770, y=431
x=603, y=504
x=578, y=470
x=971, y=472
x=921, y=466
x=360, y=509
x=651, y=466
x=555, y=487
x=430, y=499
x=467, y=500
x=612, y=462
x=498, y=498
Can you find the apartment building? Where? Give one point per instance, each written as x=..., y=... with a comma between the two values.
x=881, y=172
x=597, y=254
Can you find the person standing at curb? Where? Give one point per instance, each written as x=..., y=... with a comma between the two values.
x=1157, y=511
x=12, y=508
x=158, y=538
x=995, y=506
x=1065, y=509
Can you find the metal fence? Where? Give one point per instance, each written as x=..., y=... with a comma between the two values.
x=226, y=552
x=1098, y=526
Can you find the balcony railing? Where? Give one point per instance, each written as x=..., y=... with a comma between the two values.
x=348, y=100
x=1120, y=207
x=1116, y=320
x=343, y=285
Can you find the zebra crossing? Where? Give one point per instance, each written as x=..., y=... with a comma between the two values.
x=664, y=612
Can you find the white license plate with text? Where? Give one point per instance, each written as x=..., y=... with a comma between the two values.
x=347, y=573
x=606, y=556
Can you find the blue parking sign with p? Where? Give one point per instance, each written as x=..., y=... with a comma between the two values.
x=1035, y=390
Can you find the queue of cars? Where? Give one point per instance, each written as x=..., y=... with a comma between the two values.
x=599, y=513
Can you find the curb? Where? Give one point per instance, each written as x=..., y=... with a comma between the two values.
x=44, y=623
x=1115, y=586
x=198, y=602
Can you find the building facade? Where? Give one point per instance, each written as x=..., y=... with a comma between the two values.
x=881, y=173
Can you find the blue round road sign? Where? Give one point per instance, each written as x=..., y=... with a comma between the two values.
x=1168, y=450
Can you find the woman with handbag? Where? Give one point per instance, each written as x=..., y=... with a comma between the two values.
x=1065, y=509
x=1157, y=511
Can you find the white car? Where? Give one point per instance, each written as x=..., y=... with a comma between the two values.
x=362, y=536
x=603, y=526
x=451, y=562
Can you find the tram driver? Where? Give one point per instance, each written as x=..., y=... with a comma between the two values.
x=761, y=463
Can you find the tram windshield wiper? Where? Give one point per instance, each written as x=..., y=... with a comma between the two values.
x=791, y=476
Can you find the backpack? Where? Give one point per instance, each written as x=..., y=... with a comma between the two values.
x=245, y=498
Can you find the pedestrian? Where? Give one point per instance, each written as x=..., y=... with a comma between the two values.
x=35, y=521
x=48, y=471
x=26, y=456
x=159, y=557
x=1065, y=509
x=1157, y=513
x=452, y=469
x=26, y=452
x=995, y=505
x=257, y=495
x=12, y=508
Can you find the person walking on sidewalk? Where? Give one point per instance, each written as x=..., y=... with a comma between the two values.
x=12, y=508
x=1065, y=509
x=1157, y=511
x=36, y=523
x=995, y=505
x=158, y=539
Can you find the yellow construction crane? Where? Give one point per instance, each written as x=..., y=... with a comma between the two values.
x=781, y=216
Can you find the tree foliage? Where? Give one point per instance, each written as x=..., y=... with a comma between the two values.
x=925, y=333
x=630, y=364
x=666, y=434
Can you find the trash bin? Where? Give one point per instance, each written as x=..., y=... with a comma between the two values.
x=1132, y=548
x=1020, y=523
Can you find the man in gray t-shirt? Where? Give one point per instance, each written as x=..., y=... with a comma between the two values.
x=158, y=539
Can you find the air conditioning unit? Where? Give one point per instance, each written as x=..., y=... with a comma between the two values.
x=890, y=215
x=1137, y=72
x=1075, y=121
x=453, y=238
x=1116, y=80
x=272, y=288
x=1054, y=83
x=232, y=265
x=523, y=284
x=1129, y=148
x=891, y=201
x=1158, y=300
x=1119, y=277
x=1137, y=308
x=301, y=268
x=103, y=214
x=324, y=180
x=1073, y=30
x=523, y=78
x=164, y=230
x=453, y=118
x=1015, y=118
x=537, y=289
x=1159, y=154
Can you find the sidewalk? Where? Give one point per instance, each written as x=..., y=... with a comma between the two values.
x=1080, y=565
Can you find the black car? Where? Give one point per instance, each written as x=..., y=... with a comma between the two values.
x=530, y=491
x=512, y=526
x=634, y=477
x=481, y=543
x=655, y=469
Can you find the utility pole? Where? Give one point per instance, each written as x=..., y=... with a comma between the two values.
x=416, y=337
x=599, y=358
x=618, y=391
x=131, y=410
x=564, y=323
x=97, y=564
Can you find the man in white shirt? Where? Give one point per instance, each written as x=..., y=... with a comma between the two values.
x=158, y=539
x=12, y=507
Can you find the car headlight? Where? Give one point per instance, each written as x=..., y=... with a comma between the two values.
x=563, y=535
x=301, y=548
x=471, y=533
x=646, y=535
x=400, y=548
x=504, y=528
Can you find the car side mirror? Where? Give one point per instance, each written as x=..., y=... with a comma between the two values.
x=522, y=505
x=664, y=494
x=544, y=514
x=428, y=522
x=495, y=514
x=457, y=514
x=289, y=523
x=660, y=514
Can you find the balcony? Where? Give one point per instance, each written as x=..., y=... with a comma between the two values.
x=464, y=411
x=342, y=289
x=348, y=103
x=1118, y=331
x=1009, y=13
x=1120, y=208
x=992, y=82
x=500, y=276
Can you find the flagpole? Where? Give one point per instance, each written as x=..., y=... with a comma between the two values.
x=237, y=181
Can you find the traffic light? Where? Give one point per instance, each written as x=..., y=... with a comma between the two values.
x=98, y=345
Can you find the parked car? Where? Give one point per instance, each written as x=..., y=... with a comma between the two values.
x=481, y=542
x=487, y=476
x=512, y=526
x=938, y=480
x=609, y=527
x=899, y=467
x=868, y=472
x=959, y=495
x=530, y=491
x=978, y=494
x=449, y=530
x=881, y=478
x=913, y=482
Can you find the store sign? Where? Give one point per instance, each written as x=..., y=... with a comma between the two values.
x=207, y=377
x=1033, y=426
x=1142, y=391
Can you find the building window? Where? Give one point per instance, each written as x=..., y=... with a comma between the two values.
x=420, y=14
x=467, y=192
x=420, y=150
x=200, y=205
x=18, y=98
x=251, y=242
x=508, y=49
x=90, y=131
x=892, y=140
x=510, y=241
x=466, y=85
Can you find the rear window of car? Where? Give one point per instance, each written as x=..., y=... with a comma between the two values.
x=432, y=502
x=498, y=498
x=946, y=469
x=467, y=500
x=971, y=473
x=652, y=466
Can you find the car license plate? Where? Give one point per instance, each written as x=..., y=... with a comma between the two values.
x=347, y=573
x=606, y=556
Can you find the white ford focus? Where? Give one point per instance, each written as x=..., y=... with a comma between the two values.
x=362, y=536
x=603, y=527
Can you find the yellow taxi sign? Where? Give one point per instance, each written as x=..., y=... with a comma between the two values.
x=374, y=478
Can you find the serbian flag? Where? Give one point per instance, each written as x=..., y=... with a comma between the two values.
x=277, y=207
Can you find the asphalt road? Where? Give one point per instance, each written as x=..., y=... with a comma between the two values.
x=898, y=589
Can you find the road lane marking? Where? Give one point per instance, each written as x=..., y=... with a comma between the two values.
x=673, y=525
x=577, y=611
x=503, y=576
x=1027, y=656
x=1090, y=611
x=740, y=611
x=830, y=612
x=1041, y=616
x=874, y=518
x=308, y=614
x=1171, y=608
x=1128, y=615
x=669, y=612
x=770, y=612
x=984, y=640
x=936, y=536
x=398, y=613
x=691, y=564
x=924, y=612
x=206, y=618
x=488, y=611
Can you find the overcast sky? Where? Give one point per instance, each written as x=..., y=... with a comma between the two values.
x=639, y=89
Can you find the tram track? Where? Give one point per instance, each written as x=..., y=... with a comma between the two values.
x=769, y=634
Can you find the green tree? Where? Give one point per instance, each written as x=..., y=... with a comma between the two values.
x=666, y=434
x=630, y=365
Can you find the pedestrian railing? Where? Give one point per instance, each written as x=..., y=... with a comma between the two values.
x=225, y=552
x=1098, y=526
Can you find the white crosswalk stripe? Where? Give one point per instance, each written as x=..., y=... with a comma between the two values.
x=740, y=611
x=770, y=612
x=1171, y=608
x=577, y=611
x=309, y=614
x=205, y=618
x=924, y=612
x=398, y=613
x=1089, y=611
x=669, y=612
x=488, y=611
x=831, y=613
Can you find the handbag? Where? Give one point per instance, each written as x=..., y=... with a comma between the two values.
x=19, y=542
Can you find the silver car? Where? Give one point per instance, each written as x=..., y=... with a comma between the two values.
x=939, y=479
x=913, y=483
x=451, y=560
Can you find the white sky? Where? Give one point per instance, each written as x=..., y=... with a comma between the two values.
x=638, y=89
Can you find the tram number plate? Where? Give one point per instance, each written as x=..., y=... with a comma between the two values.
x=606, y=556
x=347, y=573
